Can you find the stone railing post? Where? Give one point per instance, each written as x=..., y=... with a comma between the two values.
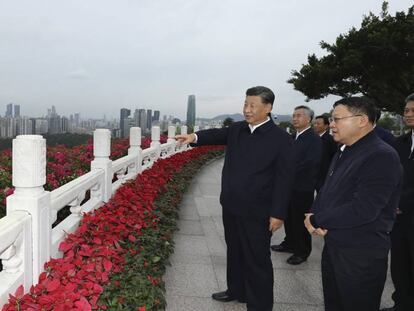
x=207, y=127
x=171, y=133
x=196, y=128
x=101, y=152
x=184, y=130
x=135, y=148
x=155, y=140
x=28, y=178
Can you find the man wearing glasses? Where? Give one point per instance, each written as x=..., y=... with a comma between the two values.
x=355, y=210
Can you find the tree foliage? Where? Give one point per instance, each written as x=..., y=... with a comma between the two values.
x=376, y=60
x=227, y=122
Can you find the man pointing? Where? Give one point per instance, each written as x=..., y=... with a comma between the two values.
x=255, y=190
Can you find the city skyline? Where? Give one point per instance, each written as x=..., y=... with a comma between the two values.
x=97, y=57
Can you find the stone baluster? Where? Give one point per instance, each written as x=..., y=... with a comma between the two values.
x=155, y=141
x=135, y=148
x=101, y=152
x=184, y=130
x=28, y=178
x=207, y=127
x=196, y=128
x=171, y=133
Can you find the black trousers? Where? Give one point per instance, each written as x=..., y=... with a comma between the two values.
x=402, y=262
x=353, y=279
x=249, y=267
x=297, y=237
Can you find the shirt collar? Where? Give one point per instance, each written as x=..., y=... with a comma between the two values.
x=321, y=134
x=298, y=133
x=253, y=127
x=412, y=140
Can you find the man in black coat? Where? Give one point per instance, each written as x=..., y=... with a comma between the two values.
x=255, y=190
x=402, y=235
x=329, y=147
x=307, y=148
x=355, y=210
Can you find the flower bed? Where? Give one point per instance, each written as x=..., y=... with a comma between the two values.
x=116, y=258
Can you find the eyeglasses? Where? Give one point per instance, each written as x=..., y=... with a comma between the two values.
x=339, y=119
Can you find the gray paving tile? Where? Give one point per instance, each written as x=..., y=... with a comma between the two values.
x=190, y=249
x=288, y=288
x=209, y=189
x=190, y=280
x=188, y=212
x=190, y=227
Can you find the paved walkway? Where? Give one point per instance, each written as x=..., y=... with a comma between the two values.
x=198, y=265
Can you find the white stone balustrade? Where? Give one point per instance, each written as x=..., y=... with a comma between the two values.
x=27, y=239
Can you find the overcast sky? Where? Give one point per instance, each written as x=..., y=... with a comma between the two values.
x=97, y=56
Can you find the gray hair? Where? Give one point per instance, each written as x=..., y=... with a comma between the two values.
x=309, y=111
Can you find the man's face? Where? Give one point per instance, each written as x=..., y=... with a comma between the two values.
x=409, y=114
x=300, y=119
x=346, y=127
x=320, y=126
x=255, y=111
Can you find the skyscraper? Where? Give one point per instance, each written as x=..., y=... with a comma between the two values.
x=142, y=116
x=9, y=111
x=17, y=111
x=124, y=114
x=149, y=119
x=156, y=116
x=191, y=110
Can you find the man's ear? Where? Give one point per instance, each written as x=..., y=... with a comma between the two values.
x=269, y=107
x=364, y=120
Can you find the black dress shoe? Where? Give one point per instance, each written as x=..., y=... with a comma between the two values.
x=295, y=260
x=223, y=296
x=281, y=248
x=226, y=297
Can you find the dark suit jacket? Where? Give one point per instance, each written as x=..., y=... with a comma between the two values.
x=256, y=179
x=358, y=201
x=329, y=148
x=403, y=147
x=307, y=149
x=385, y=135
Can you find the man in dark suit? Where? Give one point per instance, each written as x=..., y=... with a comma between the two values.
x=255, y=189
x=402, y=235
x=307, y=149
x=329, y=147
x=355, y=210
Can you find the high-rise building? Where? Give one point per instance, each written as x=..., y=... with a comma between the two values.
x=9, y=111
x=128, y=123
x=41, y=126
x=142, y=116
x=149, y=119
x=17, y=111
x=191, y=110
x=156, y=116
x=124, y=114
x=77, y=119
x=64, y=124
x=55, y=124
x=24, y=126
